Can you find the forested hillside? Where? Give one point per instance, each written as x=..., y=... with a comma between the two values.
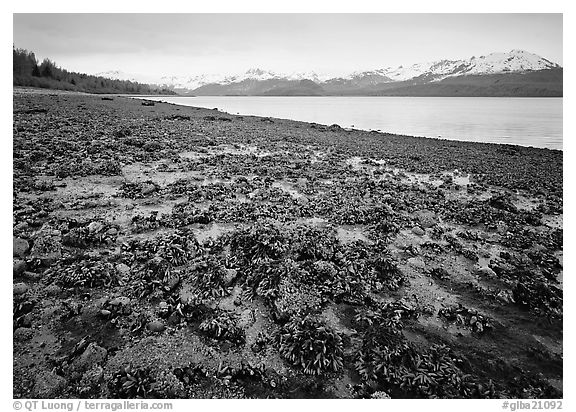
x=28, y=72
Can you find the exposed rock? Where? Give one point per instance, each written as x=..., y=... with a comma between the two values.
x=426, y=218
x=174, y=319
x=92, y=356
x=20, y=247
x=302, y=200
x=502, y=228
x=53, y=290
x=418, y=231
x=163, y=309
x=120, y=305
x=21, y=227
x=123, y=269
x=22, y=334
x=20, y=288
x=120, y=301
x=148, y=188
x=230, y=276
x=486, y=271
x=246, y=319
x=95, y=227
x=505, y=296
x=156, y=326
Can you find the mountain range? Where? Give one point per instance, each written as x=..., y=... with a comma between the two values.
x=516, y=73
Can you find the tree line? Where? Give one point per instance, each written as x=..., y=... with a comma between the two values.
x=28, y=72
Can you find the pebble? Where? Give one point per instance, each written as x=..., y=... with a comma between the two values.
x=20, y=288
x=95, y=227
x=22, y=334
x=19, y=267
x=426, y=218
x=247, y=318
x=20, y=247
x=123, y=269
x=230, y=276
x=418, y=231
x=120, y=300
x=505, y=296
x=156, y=326
x=174, y=319
x=21, y=226
x=486, y=271
x=148, y=188
x=53, y=290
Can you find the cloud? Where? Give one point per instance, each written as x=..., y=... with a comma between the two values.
x=213, y=42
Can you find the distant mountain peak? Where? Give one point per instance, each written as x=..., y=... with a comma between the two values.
x=514, y=61
x=257, y=72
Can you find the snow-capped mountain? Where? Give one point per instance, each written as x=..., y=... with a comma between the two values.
x=120, y=75
x=512, y=62
x=260, y=81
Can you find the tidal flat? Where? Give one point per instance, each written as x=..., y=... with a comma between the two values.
x=163, y=251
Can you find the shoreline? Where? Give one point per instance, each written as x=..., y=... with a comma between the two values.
x=195, y=246
x=344, y=128
x=32, y=90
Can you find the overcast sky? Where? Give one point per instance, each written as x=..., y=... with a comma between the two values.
x=189, y=44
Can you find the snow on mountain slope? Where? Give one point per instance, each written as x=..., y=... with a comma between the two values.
x=437, y=69
x=514, y=61
x=120, y=75
x=511, y=62
x=190, y=82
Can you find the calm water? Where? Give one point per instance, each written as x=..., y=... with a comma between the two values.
x=523, y=121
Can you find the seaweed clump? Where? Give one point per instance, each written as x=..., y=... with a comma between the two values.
x=310, y=344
